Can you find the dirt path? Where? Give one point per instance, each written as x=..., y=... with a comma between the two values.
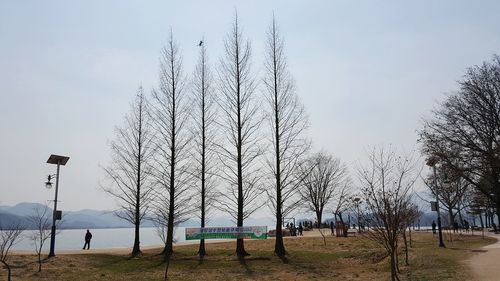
x=485, y=264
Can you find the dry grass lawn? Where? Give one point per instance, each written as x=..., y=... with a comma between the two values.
x=353, y=258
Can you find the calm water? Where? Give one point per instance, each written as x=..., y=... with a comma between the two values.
x=73, y=239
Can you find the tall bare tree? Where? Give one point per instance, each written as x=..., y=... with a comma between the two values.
x=287, y=124
x=241, y=123
x=386, y=182
x=327, y=175
x=464, y=130
x=170, y=117
x=41, y=221
x=204, y=135
x=9, y=236
x=129, y=174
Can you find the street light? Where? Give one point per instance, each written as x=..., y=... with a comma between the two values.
x=48, y=183
x=58, y=160
x=357, y=202
x=431, y=162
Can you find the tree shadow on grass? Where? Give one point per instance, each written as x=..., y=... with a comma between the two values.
x=284, y=259
x=243, y=263
x=200, y=260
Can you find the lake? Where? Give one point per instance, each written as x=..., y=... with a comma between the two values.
x=73, y=239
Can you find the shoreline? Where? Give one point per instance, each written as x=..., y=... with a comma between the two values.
x=127, y=250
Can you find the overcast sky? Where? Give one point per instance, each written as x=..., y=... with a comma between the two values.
x=367, y=72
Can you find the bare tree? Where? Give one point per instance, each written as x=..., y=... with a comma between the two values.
x=327, y=175
x=241, y=123
x=386, y=182
x=129, y=174
x=342, y=200
x=170, y=117
x=42, y=223
x=464, y=130
x=204, y=135
x=410, y=214
x=450, y=190
x=9, y=236
x=287, y=124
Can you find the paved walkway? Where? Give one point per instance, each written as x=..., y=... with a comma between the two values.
x=486, y=263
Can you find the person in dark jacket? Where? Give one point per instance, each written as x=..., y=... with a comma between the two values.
x=88, y=237
x=433, y=227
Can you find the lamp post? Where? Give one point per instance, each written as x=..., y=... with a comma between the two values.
x=58, y=160
x=357, y=202
x=432, y=163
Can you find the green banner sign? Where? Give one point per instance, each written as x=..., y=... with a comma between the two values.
x=245, y=232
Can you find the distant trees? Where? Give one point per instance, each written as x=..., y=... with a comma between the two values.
x=288, y=123
x=42, y=223
x=9, y=236
x=386, y=182
x=204, y=115
x=170, y=117
x=463, y=133
x=129, y=173
x=241, y=120
x=325, y=175
x=451, y=190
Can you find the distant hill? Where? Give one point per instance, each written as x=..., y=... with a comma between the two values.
x=71, y=219
x=93, y=219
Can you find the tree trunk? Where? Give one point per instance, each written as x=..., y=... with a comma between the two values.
x=319, y=214
x=279, y=246
x=136, y=250
x=40, y=262
x=240, y=248
x=406, y=247
x=240, y=244
x=9, y=278
x=173, y=159
x=201, y=250
x=394, y=273
x=170, y=226
x=396, y=257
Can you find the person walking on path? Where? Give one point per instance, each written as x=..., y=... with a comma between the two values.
x=332, y=227
x=433, y=227
x=88, y=237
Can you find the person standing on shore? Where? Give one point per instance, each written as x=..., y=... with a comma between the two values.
x=433, y=227
x=88, y=237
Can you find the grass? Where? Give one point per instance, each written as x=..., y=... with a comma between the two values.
x=353, y=258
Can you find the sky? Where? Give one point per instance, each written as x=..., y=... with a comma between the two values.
x=366, y=71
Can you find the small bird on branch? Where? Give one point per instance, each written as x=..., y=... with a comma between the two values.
x=201, y=43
